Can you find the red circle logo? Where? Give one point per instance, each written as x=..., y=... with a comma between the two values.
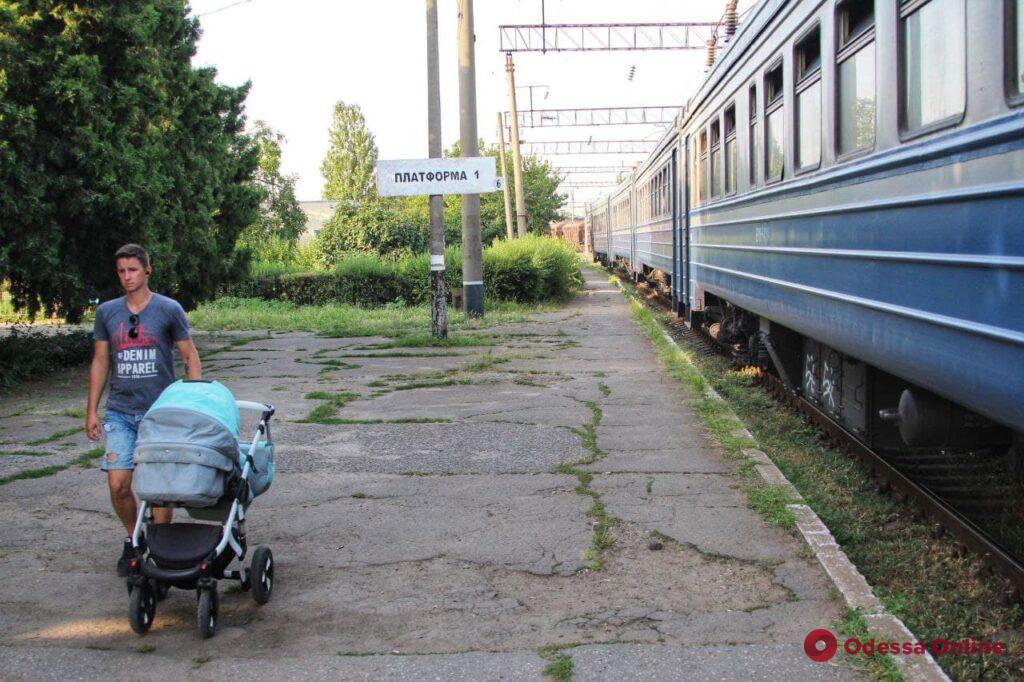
x=813, y=645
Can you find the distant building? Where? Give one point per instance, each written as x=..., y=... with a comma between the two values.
x=317, y=213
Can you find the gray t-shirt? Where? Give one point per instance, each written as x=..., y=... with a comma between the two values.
x=141, y=366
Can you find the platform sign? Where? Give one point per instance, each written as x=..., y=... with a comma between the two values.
x=410, y=177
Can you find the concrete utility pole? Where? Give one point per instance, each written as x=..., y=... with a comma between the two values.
x=438, y=287
x=472, y=251
x=504, y=186
x=517, y=160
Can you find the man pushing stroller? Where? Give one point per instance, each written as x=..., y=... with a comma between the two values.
x=135, y=336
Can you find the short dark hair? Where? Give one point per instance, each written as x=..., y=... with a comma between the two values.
x=133, y=251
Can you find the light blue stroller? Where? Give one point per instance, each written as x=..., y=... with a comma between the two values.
x=188, y=455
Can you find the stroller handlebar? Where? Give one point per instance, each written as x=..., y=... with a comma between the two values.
x=266, y=408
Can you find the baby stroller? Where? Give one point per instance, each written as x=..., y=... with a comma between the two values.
x=188, y=455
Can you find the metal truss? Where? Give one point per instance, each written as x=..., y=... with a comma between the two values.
x=591, y=169
x=604, y=37
x=585, y=184
x=589, y=147
x=595, y=116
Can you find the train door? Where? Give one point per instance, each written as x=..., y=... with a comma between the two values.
x=633, y=266
x=678, y=286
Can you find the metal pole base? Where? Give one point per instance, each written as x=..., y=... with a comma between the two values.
x=474, y=297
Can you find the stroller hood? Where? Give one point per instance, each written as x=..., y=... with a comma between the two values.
x=186, y=444
x=198, y=414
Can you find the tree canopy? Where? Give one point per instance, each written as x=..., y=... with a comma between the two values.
x=275, y=233
x=109, y=135
x=348, y=166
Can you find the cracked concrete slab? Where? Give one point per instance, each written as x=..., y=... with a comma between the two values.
x=664, y=662
x=449, y=550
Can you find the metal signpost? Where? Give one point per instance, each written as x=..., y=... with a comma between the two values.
x=436, y=177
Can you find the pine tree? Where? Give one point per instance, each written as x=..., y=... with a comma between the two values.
x=351, y=158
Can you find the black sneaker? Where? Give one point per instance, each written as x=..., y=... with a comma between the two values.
x=127, y=554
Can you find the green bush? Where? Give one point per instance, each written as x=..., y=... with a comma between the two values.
x=525, y=270
x=379, y=227
x=531, y=269
x=32, y=354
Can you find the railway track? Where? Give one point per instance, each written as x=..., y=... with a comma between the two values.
x=965, y=494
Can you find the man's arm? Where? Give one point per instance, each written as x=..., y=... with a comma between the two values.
x=97, y=382
x=190, y=356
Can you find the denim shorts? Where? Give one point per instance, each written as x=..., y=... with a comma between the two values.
x=119, y=433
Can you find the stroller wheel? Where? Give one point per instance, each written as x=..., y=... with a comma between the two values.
x=142, y=608
x=207, y=611
x=262, y=574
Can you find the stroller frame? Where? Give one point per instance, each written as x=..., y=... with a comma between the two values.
x=148, y=583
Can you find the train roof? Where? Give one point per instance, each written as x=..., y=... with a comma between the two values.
x=760, y=15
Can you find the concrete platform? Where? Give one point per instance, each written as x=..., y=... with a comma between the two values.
x=436, y=530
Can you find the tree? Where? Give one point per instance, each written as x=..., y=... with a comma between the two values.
x=109, y=135
x=540, y=192
x=274, y=234
x=348, y=166
x=379, y=226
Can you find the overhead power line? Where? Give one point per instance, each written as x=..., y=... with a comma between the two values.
x=596, y=116
x=221, y=9
x=692, y=35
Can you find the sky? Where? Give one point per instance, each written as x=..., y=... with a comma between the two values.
x=302, y=56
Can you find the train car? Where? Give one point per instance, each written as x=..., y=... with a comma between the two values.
x=600, y=238
x=850, y=212
x=655, y=210
x=620, y=211
x=858, y=210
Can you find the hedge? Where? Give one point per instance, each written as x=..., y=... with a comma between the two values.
x=32, y=354
x=526, y=270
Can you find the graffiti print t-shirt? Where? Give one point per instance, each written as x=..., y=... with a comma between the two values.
x=141, y=363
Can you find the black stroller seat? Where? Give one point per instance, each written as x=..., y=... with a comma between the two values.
x=181, y=545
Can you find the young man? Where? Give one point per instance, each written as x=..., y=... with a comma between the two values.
x=135, y=337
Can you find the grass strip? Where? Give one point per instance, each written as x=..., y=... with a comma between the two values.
x=84, y=460
x=602, y=538
x=332, y=402
x=338, y=321
x=55, y=436
x=231, y=345
x=423, y=340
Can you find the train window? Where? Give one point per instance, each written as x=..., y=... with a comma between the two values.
x=716, y=159
x=808, y=100
x=702, y=164
x=729, y=121
x=855, y=93
x=1015, y=50
x=933, y=68
x=755, y=146
x=773, y=123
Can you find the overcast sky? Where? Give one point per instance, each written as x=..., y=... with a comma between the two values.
x=302, y=56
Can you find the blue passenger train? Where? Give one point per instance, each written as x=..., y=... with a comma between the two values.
x=842, y=201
